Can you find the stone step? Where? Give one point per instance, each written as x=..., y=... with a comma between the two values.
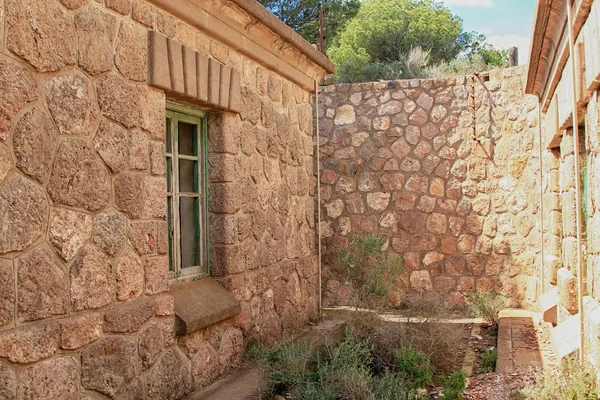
x=565, y=337
x=549, y=305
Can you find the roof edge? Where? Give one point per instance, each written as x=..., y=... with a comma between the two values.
x=258, y=11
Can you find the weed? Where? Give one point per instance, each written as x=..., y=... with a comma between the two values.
x=487, y=306
x=454, y=384
x=569, y=381
x=287, y=363
x=488, y=361
x=370, y=271
x=415, y=366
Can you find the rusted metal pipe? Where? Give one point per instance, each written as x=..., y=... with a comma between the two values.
x=580, y=278
x=318, y=136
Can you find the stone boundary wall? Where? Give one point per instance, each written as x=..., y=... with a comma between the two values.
x=85, y=309
x=446, y=170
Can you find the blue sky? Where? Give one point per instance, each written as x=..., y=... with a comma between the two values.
x=506, y=23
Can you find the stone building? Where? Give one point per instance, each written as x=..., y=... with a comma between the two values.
x=564, y=74
x=157, y=193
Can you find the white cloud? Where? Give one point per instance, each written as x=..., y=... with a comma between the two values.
x=504, y=42
x=469, y=3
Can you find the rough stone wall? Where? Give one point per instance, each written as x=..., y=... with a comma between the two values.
x=446, y=170
x=84, y=304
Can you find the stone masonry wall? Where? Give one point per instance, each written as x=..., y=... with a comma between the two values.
x=85, y=311
x=447, y=171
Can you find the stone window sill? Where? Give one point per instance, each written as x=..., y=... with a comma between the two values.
x=202, y=303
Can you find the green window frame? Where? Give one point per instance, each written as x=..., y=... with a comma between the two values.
x=187, y=191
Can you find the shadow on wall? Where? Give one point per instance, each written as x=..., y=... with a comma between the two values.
x=447, y=170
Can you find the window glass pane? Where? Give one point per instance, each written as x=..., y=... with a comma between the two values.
x=188, y=176
x=169, y=136
x=188, y=214
x=187, y=139
x=170, y=231
x=169, y=174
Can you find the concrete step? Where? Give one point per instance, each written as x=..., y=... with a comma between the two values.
x=549, y=305
x=242, y=385
x=514, y=353
x=565, y=337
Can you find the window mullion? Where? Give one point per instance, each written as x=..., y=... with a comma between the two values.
x=175, y=183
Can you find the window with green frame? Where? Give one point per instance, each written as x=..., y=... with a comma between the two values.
x=186, y=158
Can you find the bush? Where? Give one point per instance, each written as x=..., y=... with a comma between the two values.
x=415, y=366
x=488, y=361
x=569, y=381
x=454, y=384
x=487, y=306
x=369, y=270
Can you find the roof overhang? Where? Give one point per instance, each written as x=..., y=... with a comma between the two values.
x=549, y=50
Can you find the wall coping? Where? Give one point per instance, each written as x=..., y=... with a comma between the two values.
x=249, y=28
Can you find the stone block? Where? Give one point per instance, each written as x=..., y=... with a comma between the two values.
x=109, y=231
x=42, y=33
x=107, y=366
x=548, y=303
x=57, y=378
x=96, y=31
x=170, y=378
x=119, y=100
x=156, y=273
x=18, y=88
x=128, y=194
x=8, y=380
x=92, y=281
x=42, y=285
x=175, y=50
x=143, y=13
x=420, y=281
x=7, y=292
x=34, y=142
x=24, y=211
x=564, y=338
x=129, y=317
x=202, y=71
x=225, y=86
x=71, y=102
x=214, y=81
x=158, y=61
x=79, y=331
x=567, y=290
x=190, y=74
x=131, y=55
x=120, y=6
x=129, y=275
x=150, y=344
x=30, y=343
x=68, y=231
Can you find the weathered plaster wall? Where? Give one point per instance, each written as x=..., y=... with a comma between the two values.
x=84, y=304
x=446, y=170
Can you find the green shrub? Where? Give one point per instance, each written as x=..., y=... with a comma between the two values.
x=488, y=362
x=454, y=384
x=415, y=366
x=286, y=364
x=366, y=266
x=487, y=306
x=569, y=381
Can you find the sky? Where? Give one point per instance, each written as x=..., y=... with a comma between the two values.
x=505, y=23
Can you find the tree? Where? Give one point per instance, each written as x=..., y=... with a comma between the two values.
x=390, y=38
x=303, y=16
